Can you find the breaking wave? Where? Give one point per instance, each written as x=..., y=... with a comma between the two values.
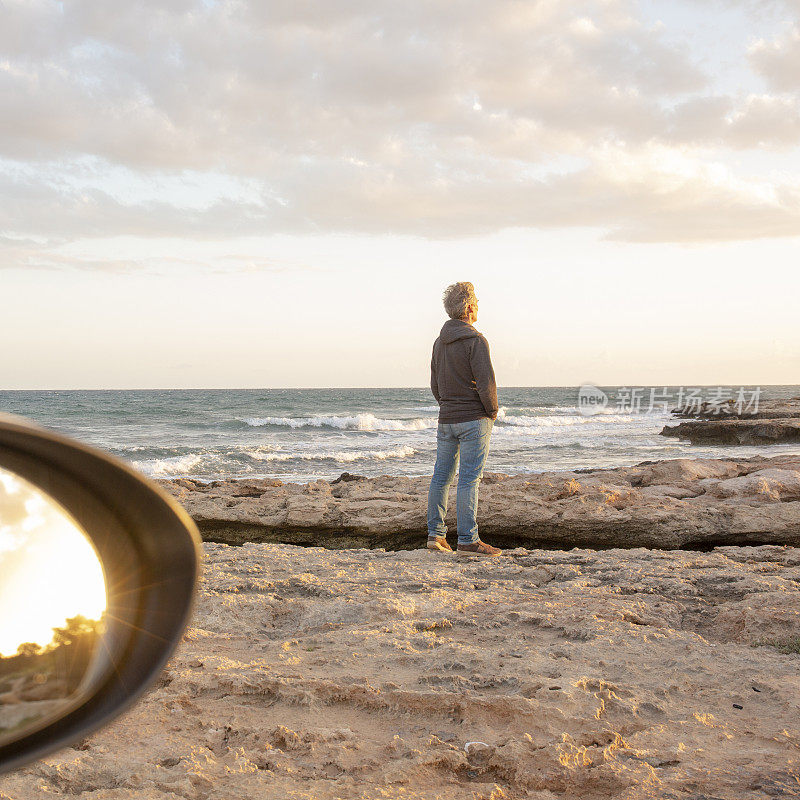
x=231, y=462
x=169, y=467
x=358, y=422
x=345, y=456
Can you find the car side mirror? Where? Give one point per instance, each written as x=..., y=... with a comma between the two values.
x=98, y=568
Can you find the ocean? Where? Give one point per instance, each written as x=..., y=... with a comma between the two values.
x=305, y=434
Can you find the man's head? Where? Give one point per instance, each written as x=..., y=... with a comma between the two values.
x=460, y=302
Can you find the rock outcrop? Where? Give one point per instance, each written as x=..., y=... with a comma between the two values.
x=775, y=421
x=738, y=431
x=364, y=674
x=681, y=503
x=766, y=409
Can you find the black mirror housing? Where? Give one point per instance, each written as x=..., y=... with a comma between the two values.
x=150, y=552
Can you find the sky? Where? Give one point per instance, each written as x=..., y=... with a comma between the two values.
x=275, y=193
x=50, y=569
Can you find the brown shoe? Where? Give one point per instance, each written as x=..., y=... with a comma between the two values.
x=479, y=549
x=440, y=544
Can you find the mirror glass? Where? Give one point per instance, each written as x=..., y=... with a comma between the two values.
x=52, y=604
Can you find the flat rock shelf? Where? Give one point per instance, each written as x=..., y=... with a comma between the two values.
x=694, y=504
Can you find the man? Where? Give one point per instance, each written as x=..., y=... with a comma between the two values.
x=462, y=381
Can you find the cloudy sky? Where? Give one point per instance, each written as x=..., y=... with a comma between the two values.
x=275, y=192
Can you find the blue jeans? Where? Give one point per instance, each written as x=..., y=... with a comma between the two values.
x=470, y=440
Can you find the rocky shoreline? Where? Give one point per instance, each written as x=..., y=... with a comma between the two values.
x=692, y=504
x=775, y=422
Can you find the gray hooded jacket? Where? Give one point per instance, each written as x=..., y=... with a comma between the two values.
x=462, y=378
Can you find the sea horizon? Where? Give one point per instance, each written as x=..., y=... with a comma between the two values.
x=500, y=387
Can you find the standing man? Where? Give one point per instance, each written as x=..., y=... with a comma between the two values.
x=462, y=381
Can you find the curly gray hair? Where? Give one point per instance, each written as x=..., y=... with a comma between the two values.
x=457, y=297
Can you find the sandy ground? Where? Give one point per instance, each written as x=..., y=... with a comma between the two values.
x=309, y=673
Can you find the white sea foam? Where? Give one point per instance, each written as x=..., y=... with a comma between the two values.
x=555, y=421
x=167, y=467
x=369, y=422
x=346, y=456
x=612, y=410
x=358, y=422
x=580, y=429
x=174, y=466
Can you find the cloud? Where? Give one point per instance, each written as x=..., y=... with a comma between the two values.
x=435, y=119
x=764, y=120
x=755, y=121
x=654, y=195
x=243, y=85
x=651, y=193
x=778, y=60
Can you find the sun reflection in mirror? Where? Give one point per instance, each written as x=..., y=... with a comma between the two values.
x=49, y=571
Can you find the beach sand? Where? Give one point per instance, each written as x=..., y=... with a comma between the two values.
x=311, y=673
